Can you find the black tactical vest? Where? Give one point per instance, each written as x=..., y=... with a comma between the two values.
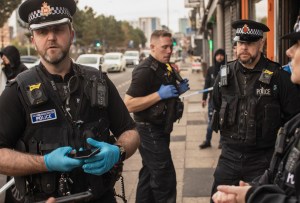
x=49, y=126
x=156, y=114
x=250, y=110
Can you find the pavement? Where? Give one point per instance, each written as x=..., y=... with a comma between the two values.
x=194, y=167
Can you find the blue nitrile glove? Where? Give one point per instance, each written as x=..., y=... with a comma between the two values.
x=104, y=160
x=167, y=91
x=183, y=86
x=58, y=160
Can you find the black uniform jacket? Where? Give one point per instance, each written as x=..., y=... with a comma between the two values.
x=253, y=110
x=287, y=187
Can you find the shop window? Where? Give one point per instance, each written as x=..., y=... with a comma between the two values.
x=259, y=10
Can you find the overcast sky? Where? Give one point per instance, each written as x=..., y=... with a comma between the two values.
x=133, y=9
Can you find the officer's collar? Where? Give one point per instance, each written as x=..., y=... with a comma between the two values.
x=57, y=78
x=162, y=65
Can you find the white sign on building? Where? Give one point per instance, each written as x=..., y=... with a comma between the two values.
x=191, y=3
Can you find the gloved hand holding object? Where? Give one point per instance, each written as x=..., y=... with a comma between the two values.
x=167, y=91
x=103, y=161
x=183, y=86
x=58, y=160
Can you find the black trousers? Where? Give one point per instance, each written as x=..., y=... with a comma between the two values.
x=157, y=178
x=234, y=166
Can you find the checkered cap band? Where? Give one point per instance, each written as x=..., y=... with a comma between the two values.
x=256, y=32
x=54, y=11
x=297, y=25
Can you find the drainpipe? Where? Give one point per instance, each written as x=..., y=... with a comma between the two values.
x=220, y=25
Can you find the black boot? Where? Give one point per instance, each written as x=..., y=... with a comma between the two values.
x=204, y=145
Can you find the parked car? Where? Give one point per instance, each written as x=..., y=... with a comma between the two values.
x=30, y=61
x=132, y=58
x=114, y=62
x=92, y=60
x=144, y=54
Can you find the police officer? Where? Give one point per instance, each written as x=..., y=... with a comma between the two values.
x=281, y=182
x=57, y=116
x=153, y=99
x=253, y=97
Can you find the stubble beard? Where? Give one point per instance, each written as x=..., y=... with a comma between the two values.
x=248, y=61
x=54, y=60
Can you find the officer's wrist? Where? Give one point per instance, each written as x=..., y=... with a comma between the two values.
x=122, y=156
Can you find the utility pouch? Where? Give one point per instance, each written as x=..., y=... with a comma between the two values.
x=20, y=181
x=215, y=121
x=232, y=107
x=271, y=122
x=251, y=123
x=156, y=114
x=48, y=182
x=178, y=109
x=223, y=111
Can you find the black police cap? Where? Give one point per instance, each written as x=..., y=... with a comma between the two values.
x=249, y=30
x=43, y=13
x=295, y=35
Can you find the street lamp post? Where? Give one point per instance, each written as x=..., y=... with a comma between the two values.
x=168, y=14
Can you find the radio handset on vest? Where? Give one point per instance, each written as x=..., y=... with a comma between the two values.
x=224, y=72
x=99, y=96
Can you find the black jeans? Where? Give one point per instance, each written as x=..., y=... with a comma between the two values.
x=234, y=166
x=157, y=178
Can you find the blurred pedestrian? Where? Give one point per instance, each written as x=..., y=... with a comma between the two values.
x=252, y=99
x=280, y=183
x=153, y=99
x=212, y=72
x=11, y=65
x=64, y=128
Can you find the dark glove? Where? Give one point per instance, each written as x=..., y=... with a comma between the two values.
x=58, y=160
x=183, y=86
x=167, y=91
x=104, y=160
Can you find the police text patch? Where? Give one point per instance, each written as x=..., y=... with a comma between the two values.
x=43, y=116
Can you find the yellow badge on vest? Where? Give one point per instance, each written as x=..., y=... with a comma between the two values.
x=34, y=86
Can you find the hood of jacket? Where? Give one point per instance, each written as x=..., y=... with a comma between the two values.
x=13, y=54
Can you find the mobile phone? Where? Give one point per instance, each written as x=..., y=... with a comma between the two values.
x=78, y=197
x=84, y=154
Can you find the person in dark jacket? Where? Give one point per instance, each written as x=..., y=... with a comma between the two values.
x=12, y=62
x=212, y=72
x=279, y=184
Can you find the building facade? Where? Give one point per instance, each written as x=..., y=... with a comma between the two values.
x=148, y=25
x=278, y=15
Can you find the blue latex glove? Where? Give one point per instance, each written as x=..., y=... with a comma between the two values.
x=58, y=160
x=167, y=91
x=104, y=160
x=183, y=86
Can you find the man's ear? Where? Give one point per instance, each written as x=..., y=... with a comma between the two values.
x=33, y=41
x=261, y=44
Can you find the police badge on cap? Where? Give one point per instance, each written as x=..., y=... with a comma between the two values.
x=249, y=30
x=43, y=13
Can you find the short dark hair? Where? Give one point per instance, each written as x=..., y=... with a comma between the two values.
x=160, y=33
